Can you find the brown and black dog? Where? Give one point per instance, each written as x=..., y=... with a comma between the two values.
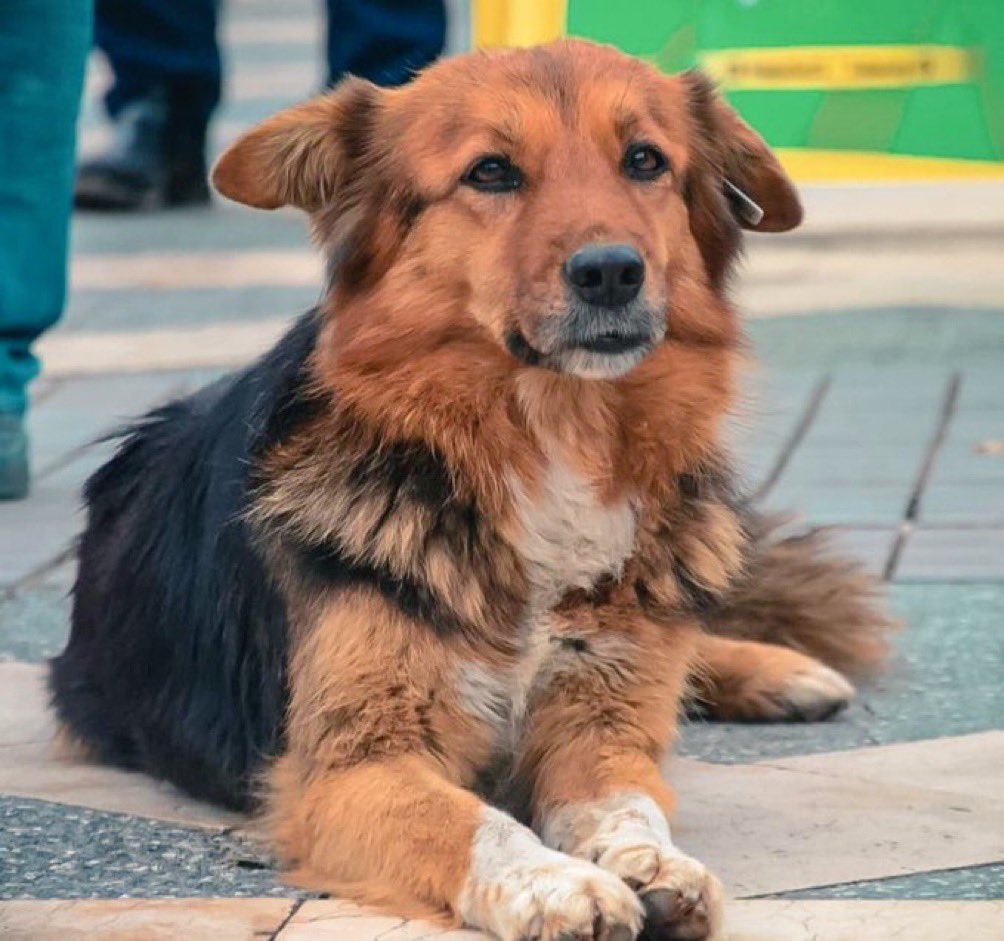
x=430, y=581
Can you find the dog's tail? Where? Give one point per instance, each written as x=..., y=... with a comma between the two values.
x=800, y=592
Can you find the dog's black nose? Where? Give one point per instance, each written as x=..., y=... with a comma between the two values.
x=606, y=275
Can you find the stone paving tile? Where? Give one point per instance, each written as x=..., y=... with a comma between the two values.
x=226, y=226
x=237, y=920
x=972, y=883
x=144, y=920
x=843, y=503
x=771, y=404
x=336, y=920
x=57, y=579
x=967, y=481
x=34, y=621
x=33, y=765
x=765, y=830
x=871, y=547
x=978, y=502
x=914, y=335
x=210, y=346
x=953, y=554
x=944, y=680
x=859, y=460
x=865, y=921
x=174, y=270
x=245, y=81
x=38, y=529
x=79, y=411
x=744, y=921
x=873, y=458
x=54, y=851
x=966, y=764
x=101, y=310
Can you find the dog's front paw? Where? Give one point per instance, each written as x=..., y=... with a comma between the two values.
x=517, y=888
x=682, y=899
x=569, y=898
x=683, y=902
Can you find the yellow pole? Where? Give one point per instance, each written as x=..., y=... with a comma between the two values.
x=517, y=22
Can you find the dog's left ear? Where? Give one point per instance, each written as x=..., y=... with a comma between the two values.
x=300, y=156
x=743, y=159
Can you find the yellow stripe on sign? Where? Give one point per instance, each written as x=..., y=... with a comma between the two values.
x=517, y=22
x=794, y=67
x=852, y=166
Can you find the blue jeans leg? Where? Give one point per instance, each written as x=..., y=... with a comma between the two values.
x=385, y=41
x=162, y=46
x=43, y=47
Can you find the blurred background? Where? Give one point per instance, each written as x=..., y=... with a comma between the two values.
x=891, y=116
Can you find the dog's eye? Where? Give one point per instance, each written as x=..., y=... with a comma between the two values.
x=493, y=174
x=645, y=162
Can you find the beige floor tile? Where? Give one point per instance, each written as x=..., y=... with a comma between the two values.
x=745, y=921
x=143, y=920
x=865, y=921
x=964, y=764
x=23, y=716
x=240, y=919
x=766, y=830
x=344, y=921
x=32, y=764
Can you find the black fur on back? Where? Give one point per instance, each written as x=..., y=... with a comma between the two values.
x=176, y=662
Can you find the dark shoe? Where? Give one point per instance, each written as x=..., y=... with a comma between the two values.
x=13, y=457
x=152, y=162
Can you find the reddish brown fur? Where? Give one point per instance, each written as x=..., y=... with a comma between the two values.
x=368, y=698
x=431, y=278
x=604, y=729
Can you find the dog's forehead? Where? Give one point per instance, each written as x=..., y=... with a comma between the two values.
x=540, y=93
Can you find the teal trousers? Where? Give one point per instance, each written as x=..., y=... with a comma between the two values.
x=43, y=48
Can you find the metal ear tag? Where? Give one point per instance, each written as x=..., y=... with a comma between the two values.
x=744, y=208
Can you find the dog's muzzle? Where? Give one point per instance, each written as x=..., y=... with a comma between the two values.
x=593, y=342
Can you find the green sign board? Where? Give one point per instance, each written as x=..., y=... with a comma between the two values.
x=880, y=88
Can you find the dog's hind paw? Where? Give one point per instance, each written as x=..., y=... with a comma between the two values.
x=747, y=681
x=812, y=695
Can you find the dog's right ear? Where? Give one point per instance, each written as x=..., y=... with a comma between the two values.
x=300, y=156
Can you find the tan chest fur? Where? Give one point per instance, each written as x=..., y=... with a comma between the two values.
x=568, y=539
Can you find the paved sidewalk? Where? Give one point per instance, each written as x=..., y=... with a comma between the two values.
x=879, y=411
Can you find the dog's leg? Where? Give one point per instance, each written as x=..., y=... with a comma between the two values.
x=591, y=760
x=368, y=799
x=742, y=680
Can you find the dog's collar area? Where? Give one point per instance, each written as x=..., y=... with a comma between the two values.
x=743, y=208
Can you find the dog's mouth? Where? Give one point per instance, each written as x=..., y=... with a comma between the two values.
x=614, y=342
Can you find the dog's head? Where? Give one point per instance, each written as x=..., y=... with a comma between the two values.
x=568, y=203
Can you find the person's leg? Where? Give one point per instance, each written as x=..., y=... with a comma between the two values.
x=167, y=78
x=154, y=45
x=43, y=46
x=385, y=41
